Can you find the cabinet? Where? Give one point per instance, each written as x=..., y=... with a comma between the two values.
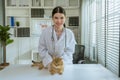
x=31, y=14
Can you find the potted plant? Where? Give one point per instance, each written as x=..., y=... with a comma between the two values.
x=5, y=40
x=17, y=23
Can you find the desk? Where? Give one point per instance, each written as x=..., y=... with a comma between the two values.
x=71, y=72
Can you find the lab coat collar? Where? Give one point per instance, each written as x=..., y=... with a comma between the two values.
x=62, y=37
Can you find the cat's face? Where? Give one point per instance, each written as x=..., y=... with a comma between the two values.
x=57, y=61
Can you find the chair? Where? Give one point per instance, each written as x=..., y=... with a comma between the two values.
x=78, y=56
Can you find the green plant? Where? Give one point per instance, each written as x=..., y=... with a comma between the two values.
x=17, y=23
x=5, y=40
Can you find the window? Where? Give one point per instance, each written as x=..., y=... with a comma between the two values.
x=103, y=30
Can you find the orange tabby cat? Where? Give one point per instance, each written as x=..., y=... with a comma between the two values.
x=56, y=66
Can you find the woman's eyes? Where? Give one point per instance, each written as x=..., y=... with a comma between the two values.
x=60, y=18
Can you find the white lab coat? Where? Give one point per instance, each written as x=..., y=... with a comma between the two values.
x=48, y=47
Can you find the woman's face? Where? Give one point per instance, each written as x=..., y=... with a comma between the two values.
x=58, y=19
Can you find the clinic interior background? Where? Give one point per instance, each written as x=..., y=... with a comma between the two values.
x=95, y=23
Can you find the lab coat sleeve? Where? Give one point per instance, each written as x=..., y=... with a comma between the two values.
x=43, y=52
x=68, y=55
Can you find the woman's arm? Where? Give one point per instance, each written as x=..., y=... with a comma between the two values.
x=43, y=51
x=68, y=54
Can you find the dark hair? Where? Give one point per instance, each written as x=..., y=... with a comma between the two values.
x=59, y=9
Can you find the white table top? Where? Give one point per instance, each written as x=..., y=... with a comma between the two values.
x=71, y=72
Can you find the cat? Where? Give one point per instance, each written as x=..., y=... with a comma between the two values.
x=56, y=66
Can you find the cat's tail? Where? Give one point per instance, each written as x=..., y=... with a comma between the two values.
x=34, y=63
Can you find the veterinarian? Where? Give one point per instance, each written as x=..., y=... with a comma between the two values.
x=57, y=40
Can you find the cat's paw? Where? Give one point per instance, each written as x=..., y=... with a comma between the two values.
x=60, y=73
x=40, y=68
x=52, y=73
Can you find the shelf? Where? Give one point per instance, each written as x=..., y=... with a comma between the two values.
x=72, y=12
x=22, y=32
x=17, y=3
x=62, y=3
x=37, y=13
x=49, y=3
x=23, y=3
x=38, y=10
x=36, y=3
x=74, y=21
x=42, y=3
x=23, y=21
x=73, y=3
x=11, y=3
x=17, y=12
x=28, y=11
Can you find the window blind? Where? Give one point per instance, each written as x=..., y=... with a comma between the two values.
x=108, y=34
x=112, y=35
x=100, y=33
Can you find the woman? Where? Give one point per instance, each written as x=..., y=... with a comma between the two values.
x=57, y=40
